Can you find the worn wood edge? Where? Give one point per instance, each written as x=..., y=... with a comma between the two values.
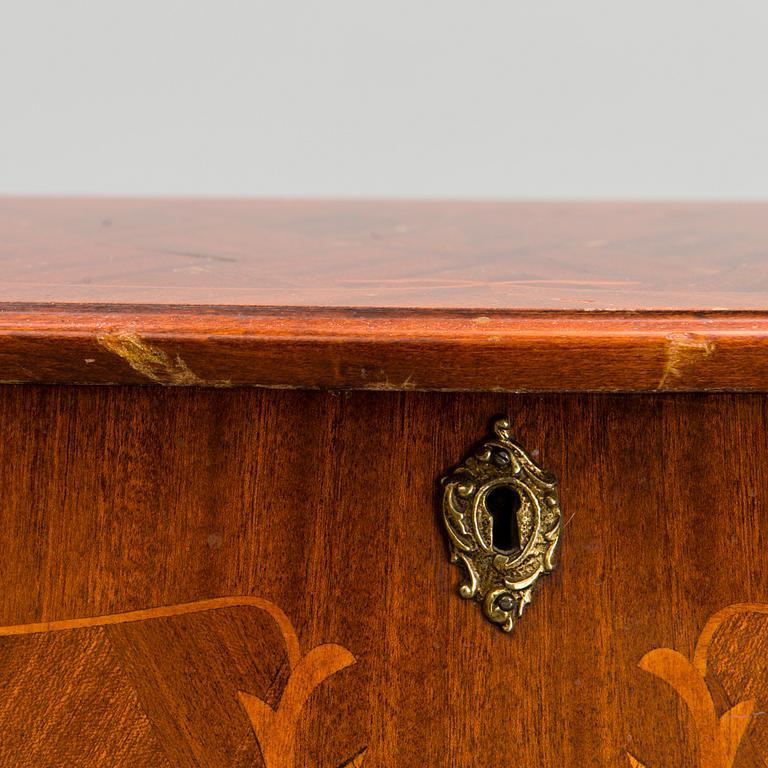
x=384, y=349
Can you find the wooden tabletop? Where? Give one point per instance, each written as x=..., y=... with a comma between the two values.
x=508, y=256
x=385, y=294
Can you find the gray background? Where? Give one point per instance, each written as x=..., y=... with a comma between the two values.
x=573, y=98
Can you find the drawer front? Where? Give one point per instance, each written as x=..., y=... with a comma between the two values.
x=211, y=577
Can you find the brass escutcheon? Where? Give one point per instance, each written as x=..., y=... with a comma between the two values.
x=502, y=515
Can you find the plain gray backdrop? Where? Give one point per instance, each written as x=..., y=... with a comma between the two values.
x=573, y=98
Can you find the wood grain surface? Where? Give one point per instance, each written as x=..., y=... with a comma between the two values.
x=385, y=349
x=396, y=254
x=326, y=505
x=517, y=297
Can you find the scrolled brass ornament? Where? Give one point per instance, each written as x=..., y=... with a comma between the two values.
x=502, y=515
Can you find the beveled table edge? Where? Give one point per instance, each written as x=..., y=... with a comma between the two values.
x=384, y=349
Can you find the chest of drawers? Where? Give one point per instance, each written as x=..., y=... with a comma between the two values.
x=224, y=427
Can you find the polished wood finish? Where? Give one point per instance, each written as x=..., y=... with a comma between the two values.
x=385, y=349
x=201, y=573
x=395, y=254
x=518, y=297
x=325, y=505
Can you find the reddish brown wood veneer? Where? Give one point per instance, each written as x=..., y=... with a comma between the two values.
x=385, y=295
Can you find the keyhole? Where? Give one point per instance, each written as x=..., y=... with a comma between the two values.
x=502, y=504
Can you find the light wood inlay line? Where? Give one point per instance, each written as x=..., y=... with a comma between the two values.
x=291, y=640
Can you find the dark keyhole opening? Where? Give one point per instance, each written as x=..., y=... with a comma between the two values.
x=502, y=503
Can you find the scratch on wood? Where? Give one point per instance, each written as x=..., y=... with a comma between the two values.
x=356, y=761
x=684, y=350
x=153, y=362
x=386, y=386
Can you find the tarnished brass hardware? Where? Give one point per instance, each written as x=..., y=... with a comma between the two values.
x=502, y=515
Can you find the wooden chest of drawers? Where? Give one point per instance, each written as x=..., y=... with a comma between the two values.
x=224, y=426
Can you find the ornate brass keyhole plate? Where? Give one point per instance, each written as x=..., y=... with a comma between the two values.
x=502, y=515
